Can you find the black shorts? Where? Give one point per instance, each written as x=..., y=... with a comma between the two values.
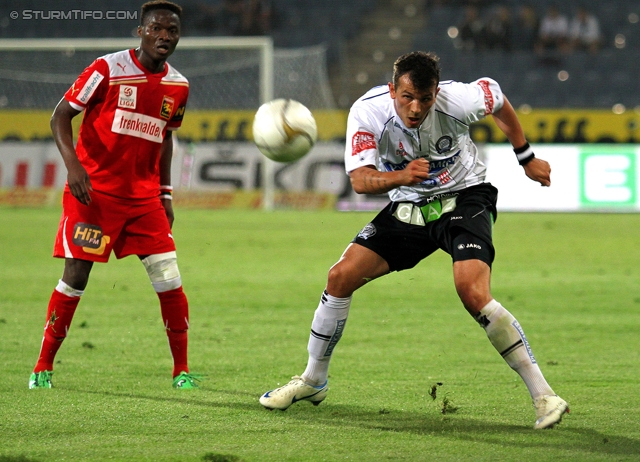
x=464, y=233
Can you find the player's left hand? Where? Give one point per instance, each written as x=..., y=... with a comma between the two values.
x=168, y=209
x=538, y=170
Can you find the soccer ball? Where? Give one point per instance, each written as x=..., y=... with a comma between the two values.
x=284, y=130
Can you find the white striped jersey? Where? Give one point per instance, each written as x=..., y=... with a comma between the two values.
x=377, y=136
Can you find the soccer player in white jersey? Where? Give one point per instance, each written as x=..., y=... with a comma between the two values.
x=118, y=192
x=411, y=139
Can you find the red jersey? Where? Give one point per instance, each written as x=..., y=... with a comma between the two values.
x=127, y=113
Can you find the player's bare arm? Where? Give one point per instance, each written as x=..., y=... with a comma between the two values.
x=368, y=180
x=507, y=121
x=166, y=155
x=77, y=177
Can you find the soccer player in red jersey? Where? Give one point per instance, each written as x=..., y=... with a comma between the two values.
x=118, y=192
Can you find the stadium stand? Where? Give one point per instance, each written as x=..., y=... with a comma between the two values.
x=550, y=79
x=554, y=79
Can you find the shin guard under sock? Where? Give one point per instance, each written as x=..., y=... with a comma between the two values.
x=175, y=315
x=508, y=338
x=62, y=306
x=327, y=327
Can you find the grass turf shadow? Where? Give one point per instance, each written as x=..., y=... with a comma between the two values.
x=459, y=428
x=452, y=426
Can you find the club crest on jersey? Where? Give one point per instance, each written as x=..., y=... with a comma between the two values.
x=444, y=144
x=167, y=107
x=401, y=151
x=127, y=97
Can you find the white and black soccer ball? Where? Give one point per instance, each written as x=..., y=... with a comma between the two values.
x=284, y=130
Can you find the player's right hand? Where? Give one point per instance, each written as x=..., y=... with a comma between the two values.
x=417, y=171
x=538, y=170
x=79, y=183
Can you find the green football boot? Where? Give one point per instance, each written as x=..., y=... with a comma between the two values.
x=186, y=380
x=41, y=380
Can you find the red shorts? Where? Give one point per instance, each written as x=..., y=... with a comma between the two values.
x=90, y=232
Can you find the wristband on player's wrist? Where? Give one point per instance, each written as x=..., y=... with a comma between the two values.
x=166, y=192
x=524, y=154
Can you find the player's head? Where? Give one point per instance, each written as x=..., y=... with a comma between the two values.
x=159, y=31
x=422, y=68
x=415, y=86
x=154, y=5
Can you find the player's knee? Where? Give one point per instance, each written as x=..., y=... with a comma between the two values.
x=76, y=273
x=473, y=296
x=339, y=282
x=163, y=271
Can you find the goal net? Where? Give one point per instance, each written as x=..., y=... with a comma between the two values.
x=225, y=74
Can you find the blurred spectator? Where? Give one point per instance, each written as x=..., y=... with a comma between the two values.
x=498, y=29
x=457, y=3
x=472, y=29
x=525, y=32
x=257, y=17
x=584, y=31
x=231, y=17
x=554, y=31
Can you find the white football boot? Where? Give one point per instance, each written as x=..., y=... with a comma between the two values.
x=296, y=390
x=549, y=411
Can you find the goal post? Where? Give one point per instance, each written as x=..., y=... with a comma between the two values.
x=37, y=72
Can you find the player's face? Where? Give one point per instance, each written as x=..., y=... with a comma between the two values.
x=159, y=36
x=412, y=105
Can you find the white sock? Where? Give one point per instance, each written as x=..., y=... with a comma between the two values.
x=326, y=329
x=508, y=338
x=67, y=290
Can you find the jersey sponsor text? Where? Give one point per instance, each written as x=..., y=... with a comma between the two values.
x=362, y=141
x=488, y=97
x=138, y=125
x=90, y=87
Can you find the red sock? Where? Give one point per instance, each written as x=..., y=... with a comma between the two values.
x=59, y=315
x=175, y=314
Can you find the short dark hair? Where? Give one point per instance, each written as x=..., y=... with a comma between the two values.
x=422, y=67
x=159, y=5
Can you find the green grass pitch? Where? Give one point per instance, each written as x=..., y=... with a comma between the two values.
x=253, y=280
